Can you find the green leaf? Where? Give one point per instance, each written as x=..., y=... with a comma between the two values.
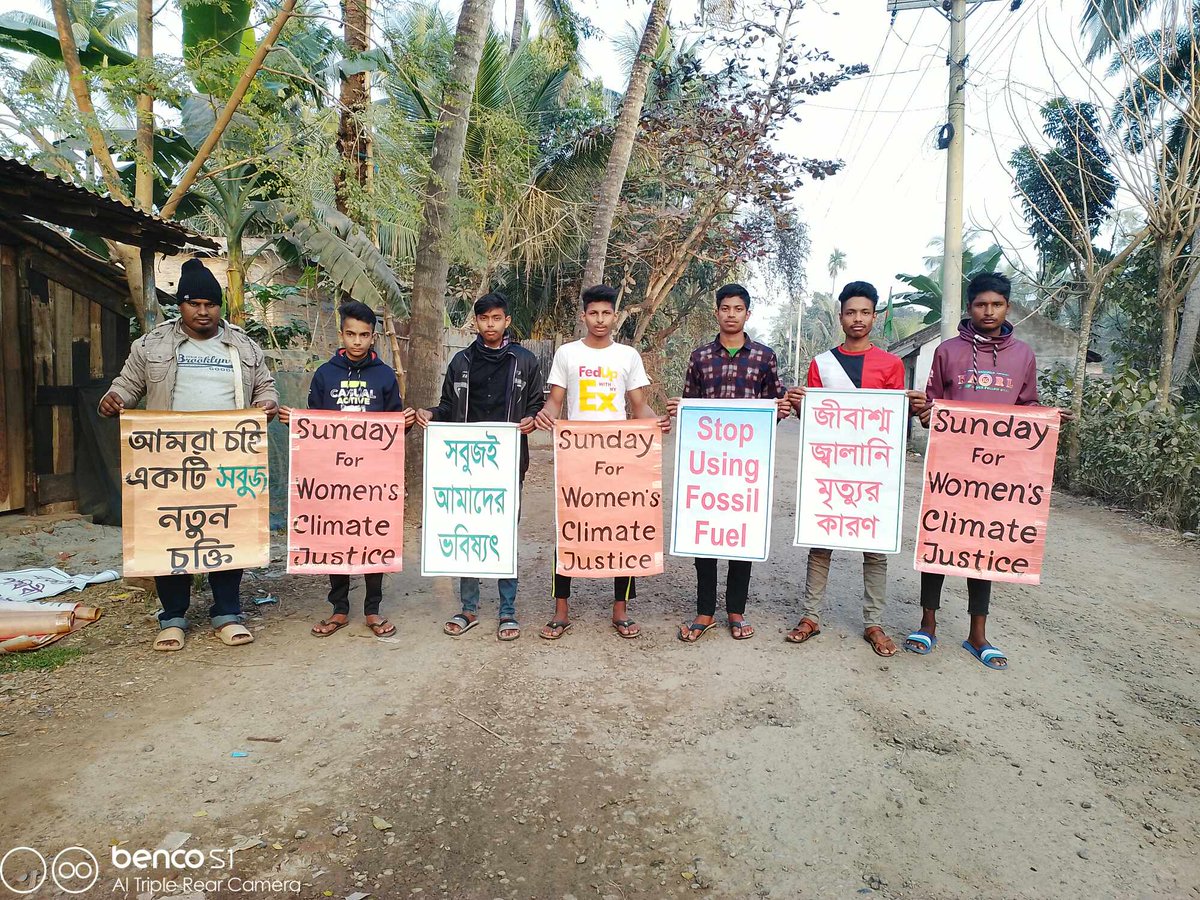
x=24, y=35
x=346, y=256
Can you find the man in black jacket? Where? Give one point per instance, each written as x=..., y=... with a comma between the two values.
x=493, y=380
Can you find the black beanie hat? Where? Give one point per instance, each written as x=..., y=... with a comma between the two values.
x=197, y=283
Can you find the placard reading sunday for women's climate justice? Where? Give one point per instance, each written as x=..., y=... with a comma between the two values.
x=850, y=481
x=194, y=491
x=608, y=488
x=724, y=475
x=986, y=502
x=472, y=500
x=345, y=492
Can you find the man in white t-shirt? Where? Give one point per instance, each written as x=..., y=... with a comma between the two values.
x=600, y=380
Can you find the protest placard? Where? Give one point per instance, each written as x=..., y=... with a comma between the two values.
x=985, y=505
x=724, y=479
x=345, y=492
x=472, y=495
x=850, y=477
x=194, y=491
x=608, y=490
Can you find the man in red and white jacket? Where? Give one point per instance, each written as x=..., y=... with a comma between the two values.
x=855, y=365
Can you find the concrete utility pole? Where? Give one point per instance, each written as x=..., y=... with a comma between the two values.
x=953, y=140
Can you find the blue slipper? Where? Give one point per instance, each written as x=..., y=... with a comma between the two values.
x=921, y=639
x=989, y=655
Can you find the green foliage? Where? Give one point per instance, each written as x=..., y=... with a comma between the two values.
x=29, y=34
x=1133, y=452
x=926, y=293
x=292, y=332
x=213, y=29
x=43, y=660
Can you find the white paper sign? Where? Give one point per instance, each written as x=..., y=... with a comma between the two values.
x=724, y=479
x=472, y=497
x=850, y=482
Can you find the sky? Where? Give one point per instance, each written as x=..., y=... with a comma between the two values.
x=886, y=205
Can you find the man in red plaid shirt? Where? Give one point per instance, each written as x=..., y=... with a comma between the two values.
x=731, y=367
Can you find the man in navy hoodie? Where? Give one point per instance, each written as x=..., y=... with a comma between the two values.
x=495, y=379
x=355, y=380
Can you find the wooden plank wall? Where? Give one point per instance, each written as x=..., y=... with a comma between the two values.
x=12, y=393
x=76, y=342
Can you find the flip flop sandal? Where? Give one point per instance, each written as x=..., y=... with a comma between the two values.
x=627, y=623
x=988, y=655
x=685, y=631
x=508, y=625
x=876, y=645
x=234, y=635
x=464, y=624
x=337, y=626
x=388, y=628
x=792, y=637
x=166, y=636
x=558, y=629
x=744, y=624
x=924, y=643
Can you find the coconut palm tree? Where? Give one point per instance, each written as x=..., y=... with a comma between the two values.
x=837, y=265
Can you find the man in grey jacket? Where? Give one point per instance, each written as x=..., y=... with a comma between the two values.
x=196, y=362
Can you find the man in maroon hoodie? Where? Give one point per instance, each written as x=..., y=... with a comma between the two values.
x=984, y=364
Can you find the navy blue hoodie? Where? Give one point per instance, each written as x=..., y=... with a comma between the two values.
x=368, y=385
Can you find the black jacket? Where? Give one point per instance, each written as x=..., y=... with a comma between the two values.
x=366, y=386
x=524, y=397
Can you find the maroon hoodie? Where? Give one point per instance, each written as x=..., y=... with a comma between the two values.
x=982, y=369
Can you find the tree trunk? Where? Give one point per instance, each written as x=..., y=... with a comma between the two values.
x=235, y=284
x=1087, y=312
x=432, y=259
x=1168, y=302
x=518, y=30
x=1189, y=325
x=622, y=147
x=144, y=184
x=353, y=139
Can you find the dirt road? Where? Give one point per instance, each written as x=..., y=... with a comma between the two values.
x=597, y=767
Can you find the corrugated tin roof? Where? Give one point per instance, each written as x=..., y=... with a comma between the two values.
x=27, y=191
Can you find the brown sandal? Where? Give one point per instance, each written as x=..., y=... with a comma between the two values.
x=337, y=626
x=382, y=628
x=802, y=632
x=880, y=643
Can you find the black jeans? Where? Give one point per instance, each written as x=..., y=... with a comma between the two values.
x=737, y=586
x=175, y=594
x=339, y=594
x=979, y=593
x=624, y=588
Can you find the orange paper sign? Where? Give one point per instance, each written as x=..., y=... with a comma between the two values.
x=608, y=484
x=194, y=491
x=986, y=503
x=346, y=492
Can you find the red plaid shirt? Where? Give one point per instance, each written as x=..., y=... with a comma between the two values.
x=750, y=374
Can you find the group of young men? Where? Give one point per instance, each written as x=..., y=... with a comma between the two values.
x=198, y=359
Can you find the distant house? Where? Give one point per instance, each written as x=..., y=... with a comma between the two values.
x=65, y=317
x=1054, y=345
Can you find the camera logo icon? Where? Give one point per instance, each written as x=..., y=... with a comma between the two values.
x=75, y=870
x=19, y=870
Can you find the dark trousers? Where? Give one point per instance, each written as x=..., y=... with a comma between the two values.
x=624, y=588
x=175, y=594
x=339, y=594
x=737, y=586
x=979, y=593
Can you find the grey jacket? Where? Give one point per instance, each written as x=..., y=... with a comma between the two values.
x=153, y=364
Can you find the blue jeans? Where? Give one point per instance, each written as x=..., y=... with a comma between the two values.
x=468, y=591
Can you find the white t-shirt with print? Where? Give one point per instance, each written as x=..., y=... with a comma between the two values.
x=204, y=376
x=596, y=381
